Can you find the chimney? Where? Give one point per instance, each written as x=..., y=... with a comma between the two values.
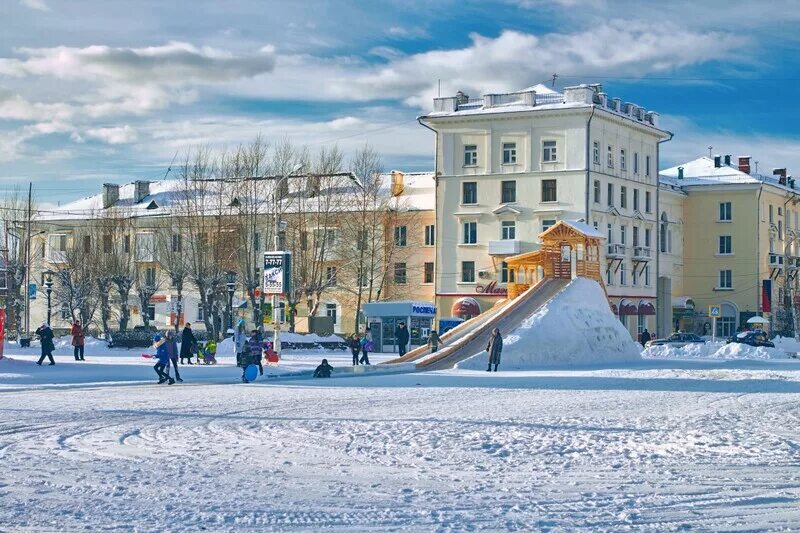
x=717, y=161
x=680, y=173
x=398, y=183
x=461, y=98
x=744, y=164
x=141, y=190
x=791, y=183
x=580, y=94
x=110, y=194
x=781, y=173
x=727, y=160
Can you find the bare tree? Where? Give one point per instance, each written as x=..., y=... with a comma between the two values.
x=75, y=273
x=12, y=212
x=171, y=257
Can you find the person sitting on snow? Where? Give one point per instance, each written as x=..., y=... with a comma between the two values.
x=323, y=370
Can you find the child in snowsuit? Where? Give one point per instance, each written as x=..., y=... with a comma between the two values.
x=324, y=370
x=247, y=358
x=210, y=352
x=256, y=343
x=355, y=348
x=162, y=366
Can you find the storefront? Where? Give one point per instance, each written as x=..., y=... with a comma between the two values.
x=384, y=318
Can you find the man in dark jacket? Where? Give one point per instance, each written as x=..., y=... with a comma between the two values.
x=645, y=337
x=188, y=343
x=495, y=348
x=323, y=370
x=401, y=334
x=46, y=337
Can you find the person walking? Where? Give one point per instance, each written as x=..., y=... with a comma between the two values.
x=401, y=334
x=645, y=337
x=46, y=338
x=78, y=340
x=172, y=353
x=494, y=348
x=239, y=341
x=162, y=366
x=355, y=347
x=256, y=343
x=366, y=345
x=434, y=340
x=188, y=343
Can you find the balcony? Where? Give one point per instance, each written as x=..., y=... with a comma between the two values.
x=641, y=253
x=775, y=261
x=504, y=247
x=616, y=251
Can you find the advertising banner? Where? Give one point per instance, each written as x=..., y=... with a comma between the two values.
x=766, y=296
x=2, y=330
x=277, y=272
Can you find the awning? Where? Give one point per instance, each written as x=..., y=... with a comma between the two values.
x=646, y=308
x=466, y=307
x=627, y=307
x=683, y=302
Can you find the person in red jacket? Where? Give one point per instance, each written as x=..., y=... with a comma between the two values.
x=78, y=340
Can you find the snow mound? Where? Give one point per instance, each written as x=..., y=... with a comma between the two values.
x=720, y=350
x=576, y=327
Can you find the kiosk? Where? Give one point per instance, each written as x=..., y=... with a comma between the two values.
x=384, y=317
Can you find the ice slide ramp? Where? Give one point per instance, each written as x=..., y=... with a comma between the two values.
x=471, y=337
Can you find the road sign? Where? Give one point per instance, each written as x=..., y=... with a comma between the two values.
x=714, y=311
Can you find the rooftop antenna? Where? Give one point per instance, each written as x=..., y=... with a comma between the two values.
x=440, y=87
x=710, y=148
x=169, y=168
x=756, y=162
x=554, y=79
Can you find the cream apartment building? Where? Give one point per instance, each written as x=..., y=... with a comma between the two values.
x=509, y=166
x=739, y=243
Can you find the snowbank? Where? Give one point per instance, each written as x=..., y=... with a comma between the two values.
x=720, y=350
x=576, y=327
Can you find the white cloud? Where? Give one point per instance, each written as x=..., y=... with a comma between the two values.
x=403, y=32
x=113, y=135
x=38, y=5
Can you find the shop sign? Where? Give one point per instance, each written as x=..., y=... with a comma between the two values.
x=491, y=288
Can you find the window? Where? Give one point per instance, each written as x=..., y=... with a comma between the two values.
x=647, y=204
x=634, y=276
x=400, y=235
x=330, y=312
x=725, y=279
x=610, y=194
x=508, y=192
x=610, y=234
x=430, y=235
x=468, y=271
x=108, y=244
x=623, y=280
x=470, y=232
x=610, y=157
x=506, y=275
x=647, y=276
x=145, y=247
x=177, y=245
x=662, y=234
x=548, y=190
x=635, y=236
x=65, y=314
x=400, y=277
x=609, y=276
x=725, y=246
x=325, y=237
x=597, y=191
x=622, y=161
x=647, y=237
x=469, y=192
x=150, y=277
x=330, y=275
x=641, y=323
x=596, y=152
x=428, y=275
x=548, y=223
x=647, y=166
x=725, y=213
x=509, y=153
x=623, y=197
x=361, y=239
x=635, y=199
x=87, y=244
x=126, y=244
x=771, y=215
x=622, y=233
x=636, y=162
x=151, y=313
x=549, y=153
x=470, y=155
x=508, y=230
x=200, y=312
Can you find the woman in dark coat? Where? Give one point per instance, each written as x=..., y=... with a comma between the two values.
x=494, y=348
x=46, y=337
x=188, y=343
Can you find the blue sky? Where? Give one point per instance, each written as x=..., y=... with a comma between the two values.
x=96, y=91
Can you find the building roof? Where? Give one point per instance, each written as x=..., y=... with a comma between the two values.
x=703, y=172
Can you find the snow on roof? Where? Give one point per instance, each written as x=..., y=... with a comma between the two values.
x=584, y=228
x=702, y=171
x=541, y=89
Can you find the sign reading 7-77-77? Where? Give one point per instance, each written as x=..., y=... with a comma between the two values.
x=714, y=311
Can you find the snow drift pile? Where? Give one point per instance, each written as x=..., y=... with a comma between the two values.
x=576, y=327
x=717, y=350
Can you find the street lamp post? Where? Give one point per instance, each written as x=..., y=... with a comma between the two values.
x=231, y=289
x=48, y=289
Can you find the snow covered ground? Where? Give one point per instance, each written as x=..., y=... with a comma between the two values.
x=784, y=348
x=649, y=445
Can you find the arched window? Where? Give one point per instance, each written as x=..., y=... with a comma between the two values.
x=663, y=232
x=726, y=324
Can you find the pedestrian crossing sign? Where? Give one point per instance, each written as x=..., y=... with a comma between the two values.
x=714, y=311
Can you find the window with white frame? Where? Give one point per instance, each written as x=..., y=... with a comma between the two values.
x=647, y=166
x=635, y=199
x=610, y=157
x=647, y=276
x=548, y=223
x=145, y=247
x=610, y=234
x=623, y=197
x=470, y=233
x=509, y=153
x=400, y=273
x=508, y=191
x=549, y=151
x=468, y=271
x=549, y=191
x=609, y=276
x=65, y=314
x=623, y=230
x=508, y=230
x=330, y=312
x=428, y=273
x=330, y=275
x=725, y=212
x=430, y=235
x=596, y=152
x=725, y=279
x=400, y=235
x=622, y=162
x=597, y=191
x=470, y=155
x=469, y=192
x=623, y=279
x=610, y=195
x=636, y=162
x=725, y=245
x=151, y=312
x=647, y=234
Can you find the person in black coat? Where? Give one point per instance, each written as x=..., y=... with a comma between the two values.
x=401, y=334
x=646, y=337
x=46, y=337
x=354, y=343
x=188, y=343
x=324, y=370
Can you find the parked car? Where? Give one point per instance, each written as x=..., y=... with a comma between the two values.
x=677, y=340
x=752, y=338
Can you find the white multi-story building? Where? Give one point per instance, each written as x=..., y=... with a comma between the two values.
x=510, y=165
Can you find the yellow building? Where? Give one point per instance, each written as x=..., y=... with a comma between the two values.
x=729, y=238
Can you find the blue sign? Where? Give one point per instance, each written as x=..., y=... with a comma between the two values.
x=423, y=309
x=31, y=291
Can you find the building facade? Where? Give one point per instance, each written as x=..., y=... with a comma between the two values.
x=509, y=166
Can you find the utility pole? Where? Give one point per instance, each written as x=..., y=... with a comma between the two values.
x=28, y=266
x=276, y=222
